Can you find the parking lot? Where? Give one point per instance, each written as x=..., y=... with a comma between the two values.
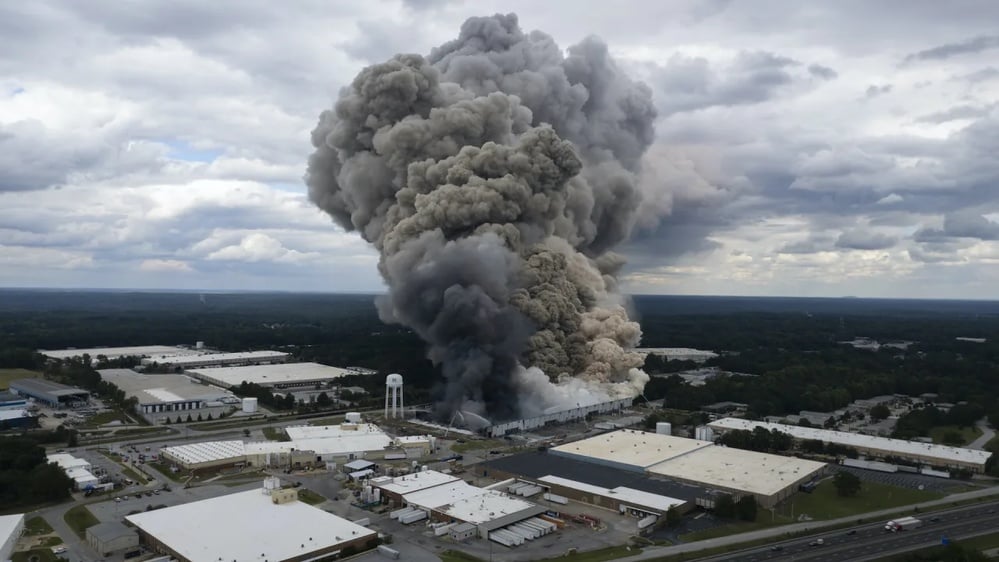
x=905, y=479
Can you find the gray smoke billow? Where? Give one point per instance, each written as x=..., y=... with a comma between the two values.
x=495, y=177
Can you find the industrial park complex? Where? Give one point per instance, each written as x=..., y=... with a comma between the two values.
x=397, y=471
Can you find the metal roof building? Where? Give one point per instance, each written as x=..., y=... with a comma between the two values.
x=252, y=525
x=927, y=453
x=344, y=440
x=770, y=478
x=11, y=527
x=629, y=449
x=51, y=393
x=169, y=396
x=280, y=375
x=202, y=359
x=116, y=352
x=111, y=536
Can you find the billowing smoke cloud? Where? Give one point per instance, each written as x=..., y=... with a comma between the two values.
x=494, y=177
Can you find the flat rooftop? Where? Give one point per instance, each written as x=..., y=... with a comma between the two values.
x=206, y=451
x=536, y=465
x=409, y=483
x=116, y=352
x=162, y=389
x=445, y=494
x=335, y=440
x=9, y=525
x=199, y=358
x=13, y=414
x=45, y=386
x=223, y=528
x=738, y=469
x=631, y=447
x=620, y=493
x=491, y=505
x=900, y=446
x=281, y=373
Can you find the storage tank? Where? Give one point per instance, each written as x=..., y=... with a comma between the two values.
x=199, y=345
x=704, y=433
x=249, y=405
x=664, y=428
x=353, y=417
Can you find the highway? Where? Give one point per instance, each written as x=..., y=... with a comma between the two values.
x=871, y=541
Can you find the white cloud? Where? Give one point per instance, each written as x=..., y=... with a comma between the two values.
x=169, y=266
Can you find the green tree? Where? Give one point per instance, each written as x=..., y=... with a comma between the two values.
x=952, y=437
x=323, y=399
x=846, y=483
x=725, y=506
x=746, y=508
x=880, y=412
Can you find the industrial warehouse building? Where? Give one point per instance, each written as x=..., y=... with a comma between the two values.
x=561, y=416
x=277, y=376
x=162, y=398
x=50, y=393
x=11, y=527
x=11, y=419
x=78, y=470
x=111, y=536
x=708, y=470
x=332, y=442
x=202, y=359
x=940, y=456
x=268, y=524
x=118, y=352
x=443, y=498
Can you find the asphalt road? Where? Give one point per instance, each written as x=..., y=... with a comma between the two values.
x=871, y=541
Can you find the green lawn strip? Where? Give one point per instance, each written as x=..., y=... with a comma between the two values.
x=140, y=430
x=457, y=556
x=310, y=497
x=103, y=418
x=41, y=554
x=227, y=424
x=477, y=444
x=968, y=434
x=763, y=521
x=335, y=420
x=275, y=434
x=37, y=526
x=824, y=503
x=135, y=475
x=79, y=518
x=982, y=542
x=164, y=469
x=7, y=375
x=50, y=542
x=600, y=555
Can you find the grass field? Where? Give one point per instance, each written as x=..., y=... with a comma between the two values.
x=983, y=542
x=7, y=375
x=106, y=417
x=476, y=444
x=37, y=526
x=825, y=503
x=310, y=497
x=164, y=468
x=600, y=555
x=763, y=521
x=457, y=556
x=275, y=434
x=968, y=434
x=40, y=554
x=79, y=518
x=334, y=420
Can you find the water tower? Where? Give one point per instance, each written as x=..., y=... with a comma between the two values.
x=393, y=395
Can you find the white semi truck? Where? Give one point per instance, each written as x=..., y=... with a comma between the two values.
x=903, y=524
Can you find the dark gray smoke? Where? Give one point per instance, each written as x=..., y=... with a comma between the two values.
x=494, y=177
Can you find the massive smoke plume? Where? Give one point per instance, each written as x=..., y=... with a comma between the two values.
x=494, y=177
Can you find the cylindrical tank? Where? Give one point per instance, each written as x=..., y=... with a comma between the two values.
x=199, y=345
x=393, y=381
x=664, y=428
x=249, y=405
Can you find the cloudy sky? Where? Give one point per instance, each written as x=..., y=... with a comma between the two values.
x=803, y=148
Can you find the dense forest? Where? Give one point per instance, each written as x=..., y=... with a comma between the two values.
x=789, y=349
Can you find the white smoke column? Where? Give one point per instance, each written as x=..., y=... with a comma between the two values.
x=494, y=177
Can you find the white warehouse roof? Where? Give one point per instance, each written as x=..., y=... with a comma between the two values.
x=162, y=389
x=899, y=446
x=409, y=483
x=489, y=506
x=621, y=493
x=738, y=469
x=631, y=447
x=67, y=461
x=265, y=375
x=223, y=528
x=207, y=358
x=206, y=451
x=116, y=352
x=445, y=494
x=339, y=439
